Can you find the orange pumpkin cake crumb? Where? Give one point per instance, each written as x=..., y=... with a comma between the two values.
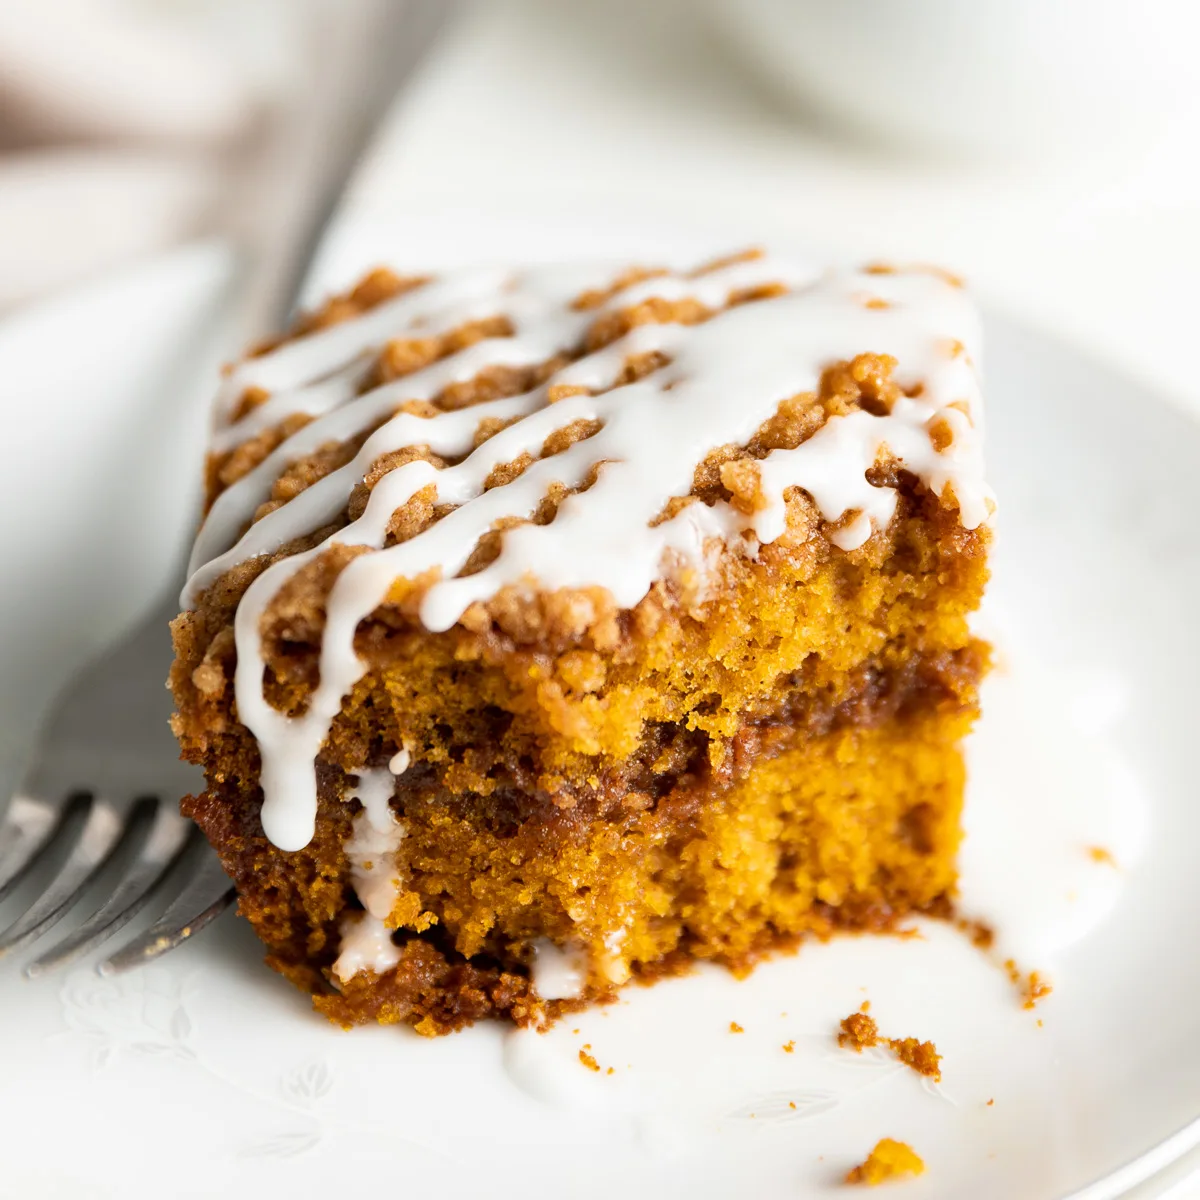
x=1032, y=986
x=859, y=1031
x=888, y=1160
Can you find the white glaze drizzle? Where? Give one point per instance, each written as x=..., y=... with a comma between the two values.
x=540, y=310
x=375, y=837
x=558, y=973
x=313, y=400
x=724, y=378
x=614, y=967
x=366, y=946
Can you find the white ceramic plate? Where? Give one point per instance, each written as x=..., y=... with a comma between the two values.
x=206, y=1074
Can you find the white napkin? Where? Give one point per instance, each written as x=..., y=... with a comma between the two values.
x=119, y=122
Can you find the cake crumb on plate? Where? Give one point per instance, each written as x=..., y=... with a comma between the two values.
x=859, y=1031
x=888, y=1160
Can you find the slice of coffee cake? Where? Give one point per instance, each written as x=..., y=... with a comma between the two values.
x=553, y=626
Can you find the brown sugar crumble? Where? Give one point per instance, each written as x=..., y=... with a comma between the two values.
x=734, y=1027
x=789, y=1047
x=859, y=1030
x=1098, y=854
x=588, y=1060
x=887, y=1160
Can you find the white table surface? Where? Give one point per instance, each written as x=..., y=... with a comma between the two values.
x=633, y=109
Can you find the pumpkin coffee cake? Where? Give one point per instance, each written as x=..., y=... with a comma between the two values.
x=554, y=627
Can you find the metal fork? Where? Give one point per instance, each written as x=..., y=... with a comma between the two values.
x=99, y=804
x=104, y=788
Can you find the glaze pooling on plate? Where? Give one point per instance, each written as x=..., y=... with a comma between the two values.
x=722, y=379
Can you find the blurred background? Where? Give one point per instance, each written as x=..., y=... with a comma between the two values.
x=1047, y=149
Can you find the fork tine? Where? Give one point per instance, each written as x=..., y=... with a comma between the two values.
x=206, y=895
x=28, y=827
x=98, y=833
x=162, y=846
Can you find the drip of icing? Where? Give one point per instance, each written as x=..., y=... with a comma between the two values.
x=366, y=946
x=558, y=973
x=614, y=967
x=723, y=378
x=375, y=837
x=374, y=840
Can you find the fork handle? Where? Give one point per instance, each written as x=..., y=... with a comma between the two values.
x=367, y=51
